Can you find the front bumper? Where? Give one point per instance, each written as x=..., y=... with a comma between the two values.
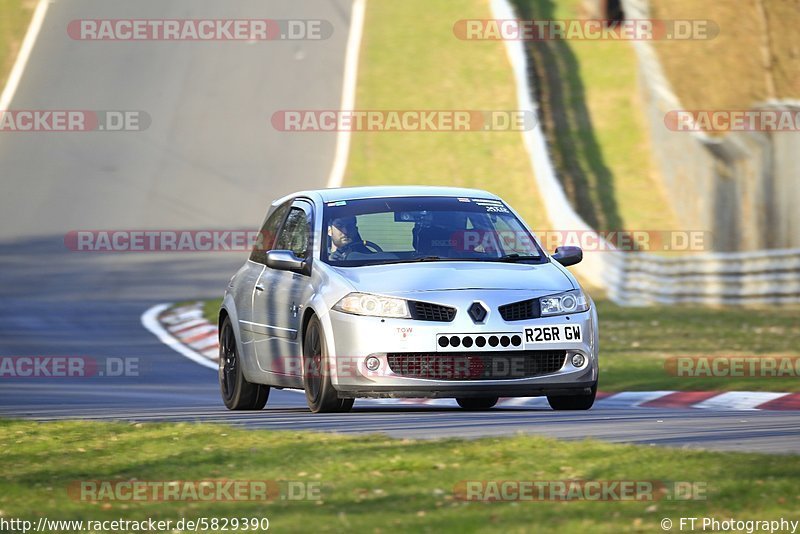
x=357, y=338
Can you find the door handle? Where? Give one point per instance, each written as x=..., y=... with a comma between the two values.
x=259, y=288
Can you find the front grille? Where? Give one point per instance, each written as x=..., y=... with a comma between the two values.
x=520, y=311
x=505, y=365
x=425, y=311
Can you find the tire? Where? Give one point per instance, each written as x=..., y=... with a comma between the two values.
x=237, y=392
x=573, y=402
x=320, y=393
x=477, y=403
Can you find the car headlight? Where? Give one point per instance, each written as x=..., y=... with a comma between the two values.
x=374, y=305
x=570, y=302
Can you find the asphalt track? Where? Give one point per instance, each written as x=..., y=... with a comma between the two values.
x=210, y=159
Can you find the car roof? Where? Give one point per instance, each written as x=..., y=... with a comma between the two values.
x=353, y=193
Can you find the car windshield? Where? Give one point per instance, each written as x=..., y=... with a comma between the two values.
x=399, y=230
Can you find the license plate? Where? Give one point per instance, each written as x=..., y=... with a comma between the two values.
x=552, y=334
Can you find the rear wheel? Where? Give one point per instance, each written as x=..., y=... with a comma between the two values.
x=476, y=403
x=573, y=402
x=320, y=393
x=237, y=392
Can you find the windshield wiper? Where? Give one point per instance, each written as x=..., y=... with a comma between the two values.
x=516, y=257
x=428, y=258
x=420, y=259
x=510, y=258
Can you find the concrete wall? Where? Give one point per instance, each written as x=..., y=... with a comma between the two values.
x=741, y=186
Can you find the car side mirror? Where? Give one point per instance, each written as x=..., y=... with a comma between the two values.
x=285, y=260
x=567, y=256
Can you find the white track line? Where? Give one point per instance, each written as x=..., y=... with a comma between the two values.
x=342, y=153
x=150, y=322
x=559, y=211
x=18, y=69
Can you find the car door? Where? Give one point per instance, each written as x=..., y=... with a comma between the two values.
x=280, y=296
x=249, y=275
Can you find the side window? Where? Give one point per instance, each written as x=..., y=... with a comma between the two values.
x=268, y=232
x=296, y=232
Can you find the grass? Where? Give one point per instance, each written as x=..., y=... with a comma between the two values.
x=14, y=18
x=729, y=71
x=592, y=116
x=211, y=310
x=410, y=59
x=374, y=483
x=635, y=343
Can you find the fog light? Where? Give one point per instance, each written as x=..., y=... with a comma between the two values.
x=578, y=360
x=373, y=363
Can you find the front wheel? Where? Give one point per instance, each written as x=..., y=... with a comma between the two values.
x=476, y=403
x=320, y=393
x=237, y=392
x=573, y=402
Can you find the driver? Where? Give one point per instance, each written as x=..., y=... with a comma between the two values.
x=345, y=238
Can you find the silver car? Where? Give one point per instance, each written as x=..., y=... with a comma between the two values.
x=405, y=292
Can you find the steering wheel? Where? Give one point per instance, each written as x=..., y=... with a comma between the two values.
x=374, y=246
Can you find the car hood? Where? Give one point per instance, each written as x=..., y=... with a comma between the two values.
x=401, y=278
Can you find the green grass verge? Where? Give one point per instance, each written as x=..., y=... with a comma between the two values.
x=211, y=310
x=14, y=18
x=377, y=484
x=410, y=59
x=636, y=342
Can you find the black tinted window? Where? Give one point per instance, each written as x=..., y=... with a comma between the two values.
x=268, y=233
x=295, y=233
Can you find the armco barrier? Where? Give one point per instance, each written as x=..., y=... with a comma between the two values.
x=638, y=279
x=735, y=278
